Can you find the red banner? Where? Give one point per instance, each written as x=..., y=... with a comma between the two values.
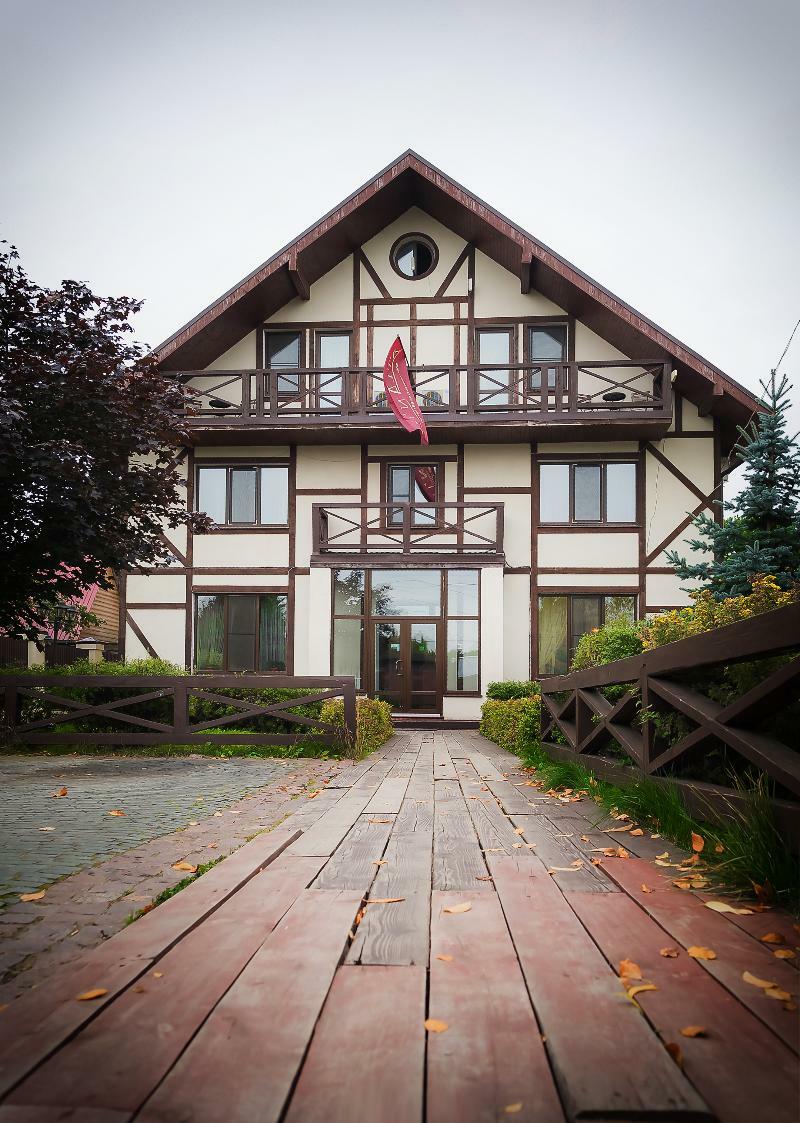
x=400, y=392
x=425, y=479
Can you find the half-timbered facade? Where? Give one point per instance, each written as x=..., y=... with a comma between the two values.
x=571, y=441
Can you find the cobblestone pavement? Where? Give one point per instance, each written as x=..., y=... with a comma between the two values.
x=180, y=808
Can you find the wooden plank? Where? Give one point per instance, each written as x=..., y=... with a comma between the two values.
x=443, y=767
x=491, y=1056
x=398, y=933
x=511, y=798
x=457, y=857
x=688, y=922
x=367, y=1057
x=738, y=1067
x=46, y=1017
x=389, y=796
x=484, y=767
x=583, y=1011
x=93, y=1070
x=415, y=815
x=558, y=853
x=244, y=1060
x=353, y=863
x=19, y=1113
x=326, y=834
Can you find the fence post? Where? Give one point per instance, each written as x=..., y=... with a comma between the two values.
x=11, y=711
x=350, y=724
x=35, y=655
x=180, y=710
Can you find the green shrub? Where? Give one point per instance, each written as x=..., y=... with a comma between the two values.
x=373, y=723
x=502, y=691
x=618, y=639
x=204, y=709
x=513, y=723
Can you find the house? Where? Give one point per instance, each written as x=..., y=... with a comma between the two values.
x=571, y=441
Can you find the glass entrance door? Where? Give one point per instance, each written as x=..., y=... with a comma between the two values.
x=407, y=673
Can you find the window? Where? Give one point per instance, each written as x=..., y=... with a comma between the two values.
x=414, y=256
x=564, y=619
x=333, y=353
x=244, y=495
x=494, y=348
x=587, y=493
x=405, y=592
x=240, y=632
x=463, y=630
x=412, y=483
x=546, y=342
x=282, y=352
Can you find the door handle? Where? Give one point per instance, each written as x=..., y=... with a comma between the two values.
x=398, y=667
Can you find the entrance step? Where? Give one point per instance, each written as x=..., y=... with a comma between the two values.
x=407, y=721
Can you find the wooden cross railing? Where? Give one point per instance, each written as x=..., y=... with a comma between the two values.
x=408, y=528
x=588, y=721
x=174, y=724
x=548, y=389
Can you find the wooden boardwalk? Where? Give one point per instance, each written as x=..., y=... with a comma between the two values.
x=427, y=940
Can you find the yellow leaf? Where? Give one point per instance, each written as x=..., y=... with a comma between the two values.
x=675, y=1052
x=88, y=995
x=384, y=900
x=519, y=830
x=698, y=842
x=637, y=832
x=596, y=861
x=33, y=896
x=682, y=883
x=465, y=906
x=629, y=970
x=670, y=953
x=158, y=974
x=754, y=981
x=445, y=958
x=694, y=1031
x=662, y=857
x=380, y=862
x=783, y=953
x=772, y=938
x=701, y=953
x=217, y=814
x=187, y=866
x=60, y=793
x=719, y=848
x=723, y=906
x=781, y=995
x=513, y=1109
x=646, y=888
x=563, y=869
x=377, y=821
x=433, y=1025
x=638, y=990
x=618, y=830
x=621, y=852
x=116, y=813
x=584, y=838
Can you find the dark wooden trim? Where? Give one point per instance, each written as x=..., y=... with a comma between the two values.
x=298, y=277
x=451, y=276
x=248, y=590
x=327, y=491
x=641, y=518
x=176, y=605
x=142, y=638
x=589, y=528
x=533, y=614
x=588, y=590
x=290, y=604
x=427, y=240
x=188, y=647
x=122, y=587
x=372, y=274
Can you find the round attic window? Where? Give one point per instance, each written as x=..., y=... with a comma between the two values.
x=414, y=256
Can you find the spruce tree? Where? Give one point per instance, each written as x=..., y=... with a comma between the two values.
x=761, y=533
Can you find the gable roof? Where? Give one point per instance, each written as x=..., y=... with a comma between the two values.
x=412, y=181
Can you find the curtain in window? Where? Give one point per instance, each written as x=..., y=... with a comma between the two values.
x=553, y=652
x=272, y=633
x=210, y=638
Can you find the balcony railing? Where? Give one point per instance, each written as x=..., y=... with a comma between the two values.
x=409, y=529
x=608, y=390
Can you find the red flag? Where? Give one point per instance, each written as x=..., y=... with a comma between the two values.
x=425, y=479
x=400, y=393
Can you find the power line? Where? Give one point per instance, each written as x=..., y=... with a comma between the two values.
x=788, y=345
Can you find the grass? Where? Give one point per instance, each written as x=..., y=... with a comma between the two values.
x=207, y=748
x=165, y=894
x=753, y=856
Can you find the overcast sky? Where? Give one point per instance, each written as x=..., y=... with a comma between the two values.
x=164, y=148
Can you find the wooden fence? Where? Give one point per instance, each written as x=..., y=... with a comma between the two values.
x=176, y=726
x=575, y=705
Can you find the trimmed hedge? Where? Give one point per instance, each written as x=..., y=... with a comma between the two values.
x=502, y=691
x=373, y=723
x=513, y=723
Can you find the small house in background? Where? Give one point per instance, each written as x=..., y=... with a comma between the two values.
x=61, y=639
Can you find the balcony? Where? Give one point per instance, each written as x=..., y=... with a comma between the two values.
x=617, y=399
x=402, y=533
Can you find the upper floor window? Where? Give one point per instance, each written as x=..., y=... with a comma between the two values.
x=587, y=493
x=414, y=256
x=417, y=484
x=282, y=352
x=494, y=347
x=548, y=341
x=244, y=495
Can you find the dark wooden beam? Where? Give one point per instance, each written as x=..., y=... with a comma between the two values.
x=711, y=400
x=526, y=271
x=298, y=278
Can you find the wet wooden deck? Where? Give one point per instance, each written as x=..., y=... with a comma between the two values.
x=294, y=980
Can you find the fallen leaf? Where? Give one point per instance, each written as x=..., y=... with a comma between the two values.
x=433, y=1025
x=381, y=862
x=33, y=896
x=465, y=906
x=563, y=869
x=47, y=828
x=701, y=953
x=513, y=1109
x=379, y=821
x=772, y=938
x=629, y=970
x=636, y=833
x=698, y=842
x=519, y=830
x=618, y=830
x=661, y=857
x=621, y=852
x=633, y=991
x=187, y=866
x=655, y=836
x=723, y=906
x=60, y=793
x=139, y=990
x=694, y=1031
x=719, y=848
x=670, y=953
x=445, y=958
x=158, y=974
x=682, y=883
x=786, y=1006
x=646, y=888
x=675, y=1052
x=781, y=995
x=213, y=845
x=596, y=861
x=88, y=995
x=384, y=900
x=116, y=813
x=783, y=953
x=193, y=823
x=585, y=838
x=217, y=814
x=484, y=877
x=754, y=981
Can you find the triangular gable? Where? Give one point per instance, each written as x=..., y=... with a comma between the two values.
x=410, y=180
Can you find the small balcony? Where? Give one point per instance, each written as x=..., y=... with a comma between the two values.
x=619, y=399
x=393, y=533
